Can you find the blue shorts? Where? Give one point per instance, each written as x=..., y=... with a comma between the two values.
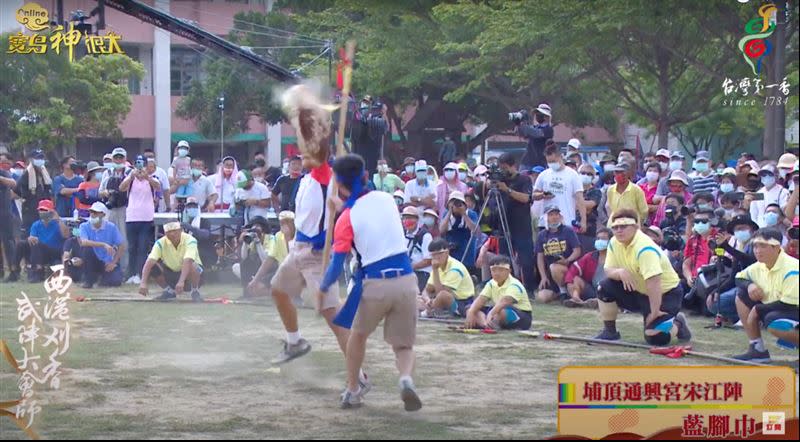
x=460, y=308
x=515, y=318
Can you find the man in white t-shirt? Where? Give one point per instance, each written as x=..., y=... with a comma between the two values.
x=253, y=195
x=560, y=186
x=773, y=194
x=421, y=192
x=202, y=189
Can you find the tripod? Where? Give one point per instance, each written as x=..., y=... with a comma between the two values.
x=494, y=195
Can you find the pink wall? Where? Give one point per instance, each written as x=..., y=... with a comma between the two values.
x=140, y=122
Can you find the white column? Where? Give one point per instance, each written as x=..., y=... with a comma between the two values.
x=162, y=92
x=274, y=145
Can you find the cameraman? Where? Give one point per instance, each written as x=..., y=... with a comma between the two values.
x=537, y=134
x=253, y=243
x=736, y=243
x=65, y=186
x=277, y=250
x=516, y=193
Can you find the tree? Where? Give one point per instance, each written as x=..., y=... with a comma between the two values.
x=48, y=102
x=723, y=132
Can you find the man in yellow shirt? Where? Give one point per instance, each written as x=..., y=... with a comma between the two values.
x=640, y=278
x=503, y=302
x=174, y=260
x=450, y=289
x=768, y=294
x=277, y=247
x=625, y=195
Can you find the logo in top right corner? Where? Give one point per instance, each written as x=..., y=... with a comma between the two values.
x=774, y=424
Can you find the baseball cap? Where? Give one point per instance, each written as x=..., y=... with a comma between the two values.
x=183, y=143
x=769, y=168
x=480, y=170
x=400, y=194
x=537, y=169
x=457, y=195
x=421, y=166
x=663, y=153
x=729, y=171
x=622, y=167
x=451, y=166
x=46, y=205
x=37, y=153
x=574, y=143
x=677, y=154
x=99, y=208
x=119, y=151
x=703, y=155
x=549, y=209
x=411, y=211
x=242, y=178
x=408, y=160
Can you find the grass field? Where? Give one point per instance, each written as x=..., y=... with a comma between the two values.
x=142, y=370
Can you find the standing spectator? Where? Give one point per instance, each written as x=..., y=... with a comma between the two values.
x=408, y=173
x=624, y=195
x=448, y=151
x=457, y=226
x=254, y=196
x=385, y=180
x=537, y=134
x=585, y=275
x=786, y=165
x=165, y=203
x=65, y=186
x=182, y=170
x=697, y=252
x=516, y=191
x=33, y=186
x=421, y=193
x=89, y=189
x=225, y=183
x=8, y=235
x=203, y=190
x=706, y=179
x=419, y=240
x=556, y=249
x=678, y=185
x=450, y=183
x=662, y=158
x=773, y=194
x=287, y=185
x=591, y=202
x=139, y=215
x=649, y=185
x=115, y=199
x=45, y=242
x=560, y=186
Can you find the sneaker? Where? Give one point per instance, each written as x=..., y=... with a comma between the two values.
x=571, y=303
x=167, y=295
x=409, y=396
x=592, y=304
x=351, y=401
x=292, y=352
x=138, y=280
x=738, y=325
x=608, y=336
x=131, y=280
x=753, y=355
x=684, y=332
x=196, y=296
x=441, y=314
x=364, y=385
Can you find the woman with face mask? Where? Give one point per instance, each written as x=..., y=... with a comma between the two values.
x=88, y=190
x=33, y=186
x=225, y=183
x=450, y=183
x=770, y=193
x=650, y=187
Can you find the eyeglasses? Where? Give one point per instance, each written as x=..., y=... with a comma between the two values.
x=619, y=228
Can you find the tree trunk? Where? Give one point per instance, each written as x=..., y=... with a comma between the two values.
x=779, y=112
x=664, y=98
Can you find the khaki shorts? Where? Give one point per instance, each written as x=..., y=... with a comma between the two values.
x=394, y=300
x=301, y=269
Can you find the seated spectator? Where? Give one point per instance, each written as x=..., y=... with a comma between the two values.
x=650, y=188
x=457, y=226
x=677, y=184
x=408, y=173
x=585, y=274
x=770, y=194
x=253, y=243
x=503, y=302
x=697, y=252
x=703, y=201
x=449, y=184
x=794, y=234
x=674, y=214
x=736, y=242
x=174, y=262
x=727, y=184
x=385, y=180
x=421, y=192
x=557, y=248
x=730, y=202
x=768, y=295
x=430, y=218
x=449, y=290
x=44, y=243
x=419, y=240
x=400, y=199
x=277, y=248
x=102, y=248
x=71, y=256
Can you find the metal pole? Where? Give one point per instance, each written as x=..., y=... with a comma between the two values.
x=222, y=128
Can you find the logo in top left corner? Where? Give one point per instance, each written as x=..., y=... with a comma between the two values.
x=34, y=17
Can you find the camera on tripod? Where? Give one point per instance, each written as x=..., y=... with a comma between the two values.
x=497, y=174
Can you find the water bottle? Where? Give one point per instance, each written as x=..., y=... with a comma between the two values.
x=75, y=214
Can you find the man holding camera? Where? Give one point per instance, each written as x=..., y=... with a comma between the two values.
x=65, y=186
x=253, y=245
x=516, y=190
x=277, y=248
x=537, y=134
x=457, y=225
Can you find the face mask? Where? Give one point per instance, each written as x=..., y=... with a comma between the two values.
x=76, y=232
x=726, y=187
x=555, y=167
x=553, y=226
x=410, y=169
x=45, y=216
x=601, y=244
x=38, y=163
x=410, y=223
x=182, y=152
x=720, y=171
x=620, y=179
x=652, y=177
x=431, y=178
x=608, y=168
x=383, y=168
x=676, y=165
x=398, y=201
x=16, y=171
x=742, y=235
x=462, y=176
x=701, y=167
x=98, y=176
x=196, y=172
x=108, y=166
x=771, y=218
x=702, y=228
x=449, y=175
x=783, y=173
x=587, y=180
x=429, y=222
x=119, y=166
x=768, y=180
x=704, y=207
x=193, y=212
x=96, y=220
x=422, y=179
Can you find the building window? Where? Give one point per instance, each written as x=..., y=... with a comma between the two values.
x=133, y=83
x=185, y=67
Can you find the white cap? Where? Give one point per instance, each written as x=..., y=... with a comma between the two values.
x=99, y=207
x=457, y=195
x=574, y=142
x=119, y=151
x=399, y=194
x=286, y=215
x=421, y=165
x=169, y=227
x=183, y=143
x=663, y=153
x=544, y=109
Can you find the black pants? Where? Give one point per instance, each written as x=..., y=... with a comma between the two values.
x=36, y=255
x=613, y=291
x=522, y=242
x=94, y=270
x=8, y=240
x=422, y=279
x=72, y=247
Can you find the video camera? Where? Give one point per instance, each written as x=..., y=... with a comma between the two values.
x=497, y=174
x=519, y=116
x=673, y=240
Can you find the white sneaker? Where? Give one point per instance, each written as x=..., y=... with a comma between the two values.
x=131, y=280
x=138, y=280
